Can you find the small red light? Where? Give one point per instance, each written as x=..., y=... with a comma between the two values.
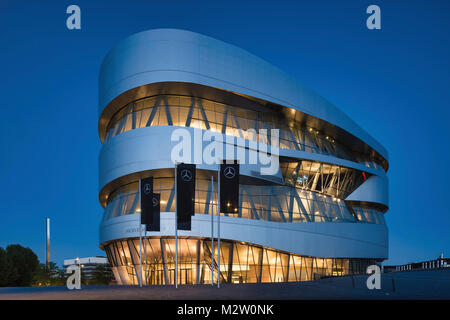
x=364, y=175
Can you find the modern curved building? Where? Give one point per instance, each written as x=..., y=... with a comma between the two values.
x=322, y=212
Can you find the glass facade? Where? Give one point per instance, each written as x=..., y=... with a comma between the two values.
x=269, y=203
x=174, y=110
x=369, y=215
x=325, y=178
x=239, y=262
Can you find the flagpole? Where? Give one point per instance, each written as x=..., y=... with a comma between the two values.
x=145, y=254
x=176, y=229
x=212, y=230
x=140, y=238
x=218, y=228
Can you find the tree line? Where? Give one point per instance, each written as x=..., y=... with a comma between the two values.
x=20, y=267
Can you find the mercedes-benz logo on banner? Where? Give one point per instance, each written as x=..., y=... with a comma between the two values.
x=229, y=172
x=155, y=201
x=147, y=189
x=186, y=175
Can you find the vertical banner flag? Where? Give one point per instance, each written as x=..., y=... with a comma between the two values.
x=229, y=187
x=147, y=201
x=185, y=195
x=155, y=224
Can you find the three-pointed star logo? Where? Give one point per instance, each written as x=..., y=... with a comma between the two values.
x=229, y=172
x=147, y=189
x=186, y=175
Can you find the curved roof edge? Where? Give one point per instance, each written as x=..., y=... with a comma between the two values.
x=178, y=55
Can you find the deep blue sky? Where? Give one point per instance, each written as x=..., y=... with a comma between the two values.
x=393, y=82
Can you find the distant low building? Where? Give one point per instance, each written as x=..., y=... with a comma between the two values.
x=438, y=263
x=88, y=265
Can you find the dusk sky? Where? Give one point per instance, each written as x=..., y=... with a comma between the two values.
x=393, y=82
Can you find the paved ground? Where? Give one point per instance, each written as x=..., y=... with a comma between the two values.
x=402, y=285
